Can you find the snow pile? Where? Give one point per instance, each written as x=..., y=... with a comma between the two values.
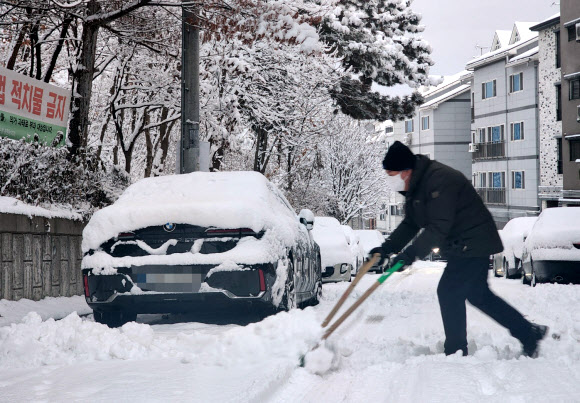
x=329, y=235
x=11, y=205
x=321, y=360
x=554, y=234
x=49, y=307
x=34, y=342
x=217, y=199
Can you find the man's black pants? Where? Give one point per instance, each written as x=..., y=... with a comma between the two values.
x=466, y=279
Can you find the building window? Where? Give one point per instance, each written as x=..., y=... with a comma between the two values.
x=517, y=131
x=425, y=123
x=389, y=129
x=382, y=217
x=571, y=33
x=481, y=180
x=495, y=134
x=488, y=89
x=496, y=180
x=482, y=135
x=558, y=102
x=574, y=150
x=516, y=82
x=409, y=126
x=558, y=59
x=575, y=88
x=559, y=151
x=518, y=180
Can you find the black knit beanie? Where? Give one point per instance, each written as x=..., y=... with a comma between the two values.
x=399, y=158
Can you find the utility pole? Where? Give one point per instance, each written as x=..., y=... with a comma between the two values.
x=189, y=150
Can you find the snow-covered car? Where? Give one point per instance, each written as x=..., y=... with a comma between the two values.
x=334, y=250
x=551, y=252
x=513, y=235
x=356, y=250
x=183, y=243
x=369, y=239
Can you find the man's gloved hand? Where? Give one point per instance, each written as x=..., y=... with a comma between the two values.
x=379, y=250
x=405, y=258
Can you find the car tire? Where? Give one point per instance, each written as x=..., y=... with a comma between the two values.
x=289, y=297
x=533, y=281
x=506, y=269
x=114, y=318
x=525, y=280
x=519, y=269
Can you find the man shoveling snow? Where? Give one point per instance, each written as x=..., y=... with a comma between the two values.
x=442, y=202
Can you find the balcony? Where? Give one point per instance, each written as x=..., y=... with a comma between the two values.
x=495, y=149
x=492, y=195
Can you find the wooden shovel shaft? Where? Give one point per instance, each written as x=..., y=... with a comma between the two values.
x=361, y=272
x=363, y=297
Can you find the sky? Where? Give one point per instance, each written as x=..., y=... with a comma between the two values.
x=455, y=27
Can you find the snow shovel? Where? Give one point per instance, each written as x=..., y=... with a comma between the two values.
x=361, y=272
x=354, y=306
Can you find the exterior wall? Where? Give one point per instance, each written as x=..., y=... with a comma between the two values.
x=520, y=155
x=550, y=128
x=39, y=257
x=452, y=121
x=570, y=51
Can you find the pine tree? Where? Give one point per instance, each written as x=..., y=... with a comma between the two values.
x=378, y=42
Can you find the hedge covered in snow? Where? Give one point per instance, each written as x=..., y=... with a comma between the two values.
x=43, y=176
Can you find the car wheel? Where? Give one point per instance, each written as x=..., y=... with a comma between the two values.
x=289, y=298
x=525, y=280
x=114, y=318
x=519, y=269
x=506, y=269
x=533, y=280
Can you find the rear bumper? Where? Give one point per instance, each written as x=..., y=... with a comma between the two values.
x=556, y=271
x=167, y=289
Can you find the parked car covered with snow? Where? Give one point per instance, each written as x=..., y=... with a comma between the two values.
x=334, y=250
x=551, y=251
x=513, y=235
x=186, y=242
x=356, y=250
x=369, y=239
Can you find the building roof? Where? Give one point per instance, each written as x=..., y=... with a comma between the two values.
x=521, y=32
x=448, y=81
x=444, y=97
x=547, y=23
x=524, y=56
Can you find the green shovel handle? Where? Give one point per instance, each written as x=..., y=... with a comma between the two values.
x=390, y=271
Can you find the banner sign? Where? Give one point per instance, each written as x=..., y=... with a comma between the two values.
x=32, y=109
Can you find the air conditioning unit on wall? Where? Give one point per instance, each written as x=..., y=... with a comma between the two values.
x=472, y=147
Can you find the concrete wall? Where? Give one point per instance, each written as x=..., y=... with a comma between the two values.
x=550, y=128
x=39, y=257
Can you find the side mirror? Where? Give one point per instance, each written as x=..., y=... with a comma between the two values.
x=306, y=218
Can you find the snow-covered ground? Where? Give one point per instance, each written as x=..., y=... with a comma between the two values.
x=391, y=350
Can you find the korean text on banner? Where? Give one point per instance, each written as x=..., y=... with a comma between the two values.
x=32, y=109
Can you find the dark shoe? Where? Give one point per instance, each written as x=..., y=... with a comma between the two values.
x=530, y=346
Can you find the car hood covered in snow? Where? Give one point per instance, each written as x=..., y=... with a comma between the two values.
x=554, y=235
x=330, y=237
x=218, y=200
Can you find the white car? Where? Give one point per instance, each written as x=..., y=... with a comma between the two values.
x=551, y=251
x=334, y=250
x=369, y=239
x=513, y=235
x=356, y=249
x=182, y=243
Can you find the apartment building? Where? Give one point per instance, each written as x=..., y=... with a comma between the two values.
x=504, y=128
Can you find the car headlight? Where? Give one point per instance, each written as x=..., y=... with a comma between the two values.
x=435, y=250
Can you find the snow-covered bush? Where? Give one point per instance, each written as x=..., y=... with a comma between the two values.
x=40, y=175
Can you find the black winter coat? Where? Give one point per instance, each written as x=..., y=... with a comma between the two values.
x=444, y=203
